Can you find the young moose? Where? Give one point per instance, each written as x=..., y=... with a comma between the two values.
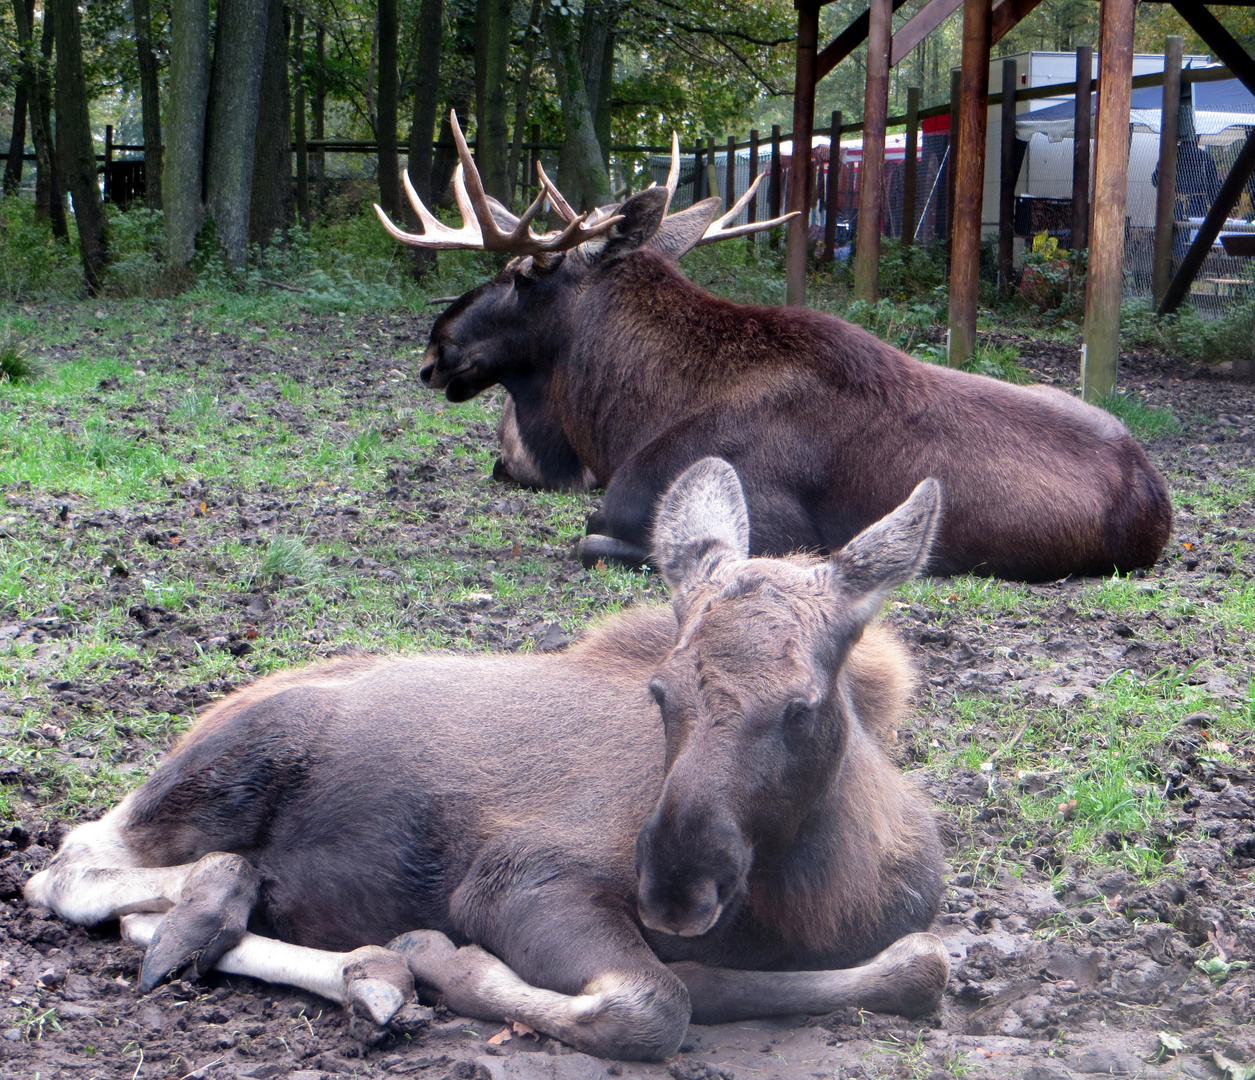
x=689, y=815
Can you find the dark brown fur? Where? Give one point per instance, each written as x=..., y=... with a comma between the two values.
x=622, y=371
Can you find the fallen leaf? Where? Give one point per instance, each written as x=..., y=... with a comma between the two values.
x=1187, y=545
x=522, y=1030
x=1172, y=1044
x=1233, y=1070
x=502, y=1036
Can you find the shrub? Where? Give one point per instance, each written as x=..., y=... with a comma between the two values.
x=32, y=263
x=16, y=364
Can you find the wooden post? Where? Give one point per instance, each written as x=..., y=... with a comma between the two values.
x=952, y=160
x=1080, y=149
x=533, y=177
x=800, y=169
x=777, y=178
x=1006, y=190
x=1235, y=180
x=871, y=188
x=699, y=174
x=109, y=194
x=969, y=183
x=1105, y=280
x=910, y=175
x=831, y=190
x=298, y=117
x=751, y=211
x=1166, y=195
x=729, y=186
x=712, y=174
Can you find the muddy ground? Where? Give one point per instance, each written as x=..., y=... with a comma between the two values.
x=1061, y=967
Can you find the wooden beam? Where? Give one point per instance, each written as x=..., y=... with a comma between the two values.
x=952, y=159
x=777, y=182
x=1104, y=288
x=1232, y=187
x=1006, y=189
x=1007, y=15
x=919, y=26
x=800, y=169
x=1166, y=194
x=969, y=182
x=1227, y=48
x=910, y=170
x=871, y=188
x=1080, y=149
x=830, y=192
x=845, y=43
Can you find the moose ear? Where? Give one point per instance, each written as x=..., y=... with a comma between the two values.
x=702, y=515
x=891, y=551
x=642, y=214
x=680, y=233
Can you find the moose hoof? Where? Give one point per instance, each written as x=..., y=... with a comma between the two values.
x=914, y=970
x=209, y=919
x=595, y=548
x=378, y=999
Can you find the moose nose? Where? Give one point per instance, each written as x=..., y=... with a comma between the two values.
x=687, y=912
x=428, y=370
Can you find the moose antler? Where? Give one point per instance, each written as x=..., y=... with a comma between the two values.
x=714, y=231
x=483, y=217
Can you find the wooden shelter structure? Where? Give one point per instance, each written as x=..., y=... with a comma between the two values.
x=1101, y=221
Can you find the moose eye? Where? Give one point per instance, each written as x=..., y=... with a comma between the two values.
x=658, y=689
x=797, y=713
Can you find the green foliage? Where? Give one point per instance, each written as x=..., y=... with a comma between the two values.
x=1184, y=333
x=1145, y=421
x=1050, y=276
x=32, y=263
x=901, y=325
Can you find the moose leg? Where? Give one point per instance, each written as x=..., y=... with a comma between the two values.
x=370, y=978
x=631, y=1010
x=908, y=978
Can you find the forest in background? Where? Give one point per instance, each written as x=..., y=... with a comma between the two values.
x=226, y=87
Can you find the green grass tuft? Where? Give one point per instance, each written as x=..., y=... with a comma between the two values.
x=287, y=556
x=998, y=362
x=1143, y=420
x=16, y=364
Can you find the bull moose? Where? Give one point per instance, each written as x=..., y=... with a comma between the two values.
x=689, y=814
x=621, y=372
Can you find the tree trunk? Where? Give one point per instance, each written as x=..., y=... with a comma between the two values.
x=24, y=98
x=530, y=44
x=386, y=118
x=601, y=108
x=426, y=97
x=17, y=142
x=188, y=88
x=49, y=187
x=270, y=209
x=298, y=117
x=150, y=100
x=235, y=89
x=581, y=170
x=318, y=161
x=75, y=150
x=597, y=64
x=492, y=44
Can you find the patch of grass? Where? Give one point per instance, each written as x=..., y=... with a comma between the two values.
x=286, y=556
x=1145, y=421
x=998, y=362
x=16, y=362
